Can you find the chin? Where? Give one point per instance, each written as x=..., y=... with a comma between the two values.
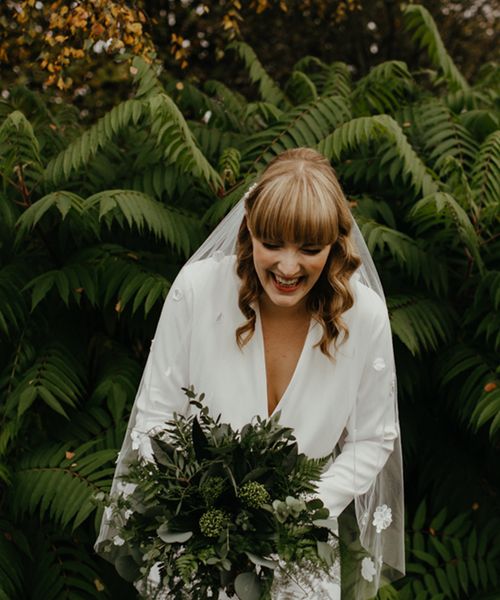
x=282, y=300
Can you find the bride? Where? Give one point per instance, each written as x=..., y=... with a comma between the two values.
x=281, y=309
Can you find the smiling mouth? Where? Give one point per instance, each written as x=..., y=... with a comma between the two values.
x=286, y=284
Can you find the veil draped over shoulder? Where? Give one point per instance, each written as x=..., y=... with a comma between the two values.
x=373, y=527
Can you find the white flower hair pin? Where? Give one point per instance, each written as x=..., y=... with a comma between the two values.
x=249, y=191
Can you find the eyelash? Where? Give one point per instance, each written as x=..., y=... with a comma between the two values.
x=311, y=251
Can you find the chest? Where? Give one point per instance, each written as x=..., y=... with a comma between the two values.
x=283, y=344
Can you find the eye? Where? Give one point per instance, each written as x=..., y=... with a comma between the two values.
x=271, y=245
x=311, y=251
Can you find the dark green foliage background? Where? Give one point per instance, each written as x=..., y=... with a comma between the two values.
x=95, y=223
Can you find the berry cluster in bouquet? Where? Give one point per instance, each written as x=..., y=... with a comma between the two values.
x=215, y=508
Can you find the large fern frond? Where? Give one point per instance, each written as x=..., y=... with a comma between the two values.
x=229, y=100
x=263, y=114
x=268, y=89
x=212, y=141
x=212, y=112
x=442, y=210
x=410, y=257
x=78, y=154
x=464, y=373
x=303, y=126
x=56, y=378
x=367, y=129
x=176, y=141
x=63, y=201
x=480, y=122
x=337, y=80
x=61, y=482
x=20, y=161
x=444, y=136
x=62, y=568
x=139, y=210
x=449, y=558
x=330, y=80
x=146, y=78
x=300, y=89
x=382, y=90
x=123, y=282
x=422, y=324
x=486, y=171
x=419, y=21
x=73, y=281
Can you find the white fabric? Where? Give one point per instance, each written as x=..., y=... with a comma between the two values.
x=320, y=398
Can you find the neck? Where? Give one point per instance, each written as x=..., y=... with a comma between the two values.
x=270, y=310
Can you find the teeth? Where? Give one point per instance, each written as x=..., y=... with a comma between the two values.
x=290, y=282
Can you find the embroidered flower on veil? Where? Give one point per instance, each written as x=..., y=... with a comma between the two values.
x=382, y=517
x=368, y=569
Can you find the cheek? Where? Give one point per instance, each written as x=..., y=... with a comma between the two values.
x=318, y=265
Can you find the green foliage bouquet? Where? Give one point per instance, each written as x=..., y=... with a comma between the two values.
x=220, y=509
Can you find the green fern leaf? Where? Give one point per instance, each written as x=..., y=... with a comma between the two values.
x=55, y=378
x=443, y=135
x=383, y=89
x=486, y=171
x=364, y=130
x=45, y=480
x=420, y=323
x=441, y=208
x=300, y=89
x=268, y=89
x=263, y=114
x=145, y=78
x=79, y=153
x=411, y=258
x=302, y=126
x=337, y=80
x=419, y=21
x=19, y=149
x=177, y=142
x=143, y=212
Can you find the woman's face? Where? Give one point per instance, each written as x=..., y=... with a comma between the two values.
x=287, y=271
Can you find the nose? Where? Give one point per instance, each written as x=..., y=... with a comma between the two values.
x=288, y=263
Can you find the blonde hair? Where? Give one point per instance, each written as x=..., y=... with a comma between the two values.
x=299, y=200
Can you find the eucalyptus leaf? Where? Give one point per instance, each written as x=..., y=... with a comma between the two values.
x=127, y=568
x=172, y=537
x=247, y=586
x=263, y=562
x=326, y=553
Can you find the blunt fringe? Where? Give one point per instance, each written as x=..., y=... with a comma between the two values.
x=298, y=199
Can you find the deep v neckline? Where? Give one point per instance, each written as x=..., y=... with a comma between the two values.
x=262, y=360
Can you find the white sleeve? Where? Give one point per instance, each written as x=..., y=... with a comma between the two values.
x=167, y=369
x=372, y=425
